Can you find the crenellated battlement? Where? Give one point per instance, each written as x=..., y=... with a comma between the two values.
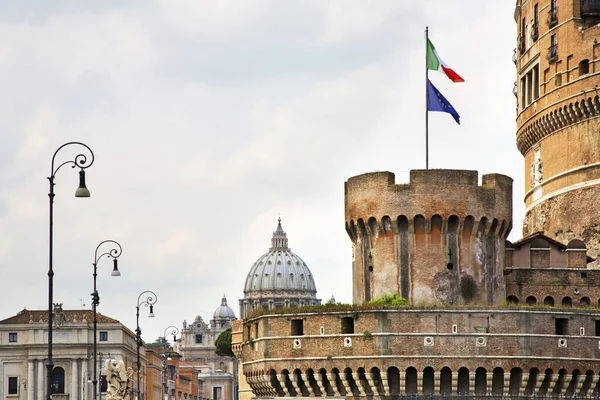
x=439, y=238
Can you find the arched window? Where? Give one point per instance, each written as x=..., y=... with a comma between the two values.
x=567, y=302
x=531, y=301
x=585, y=301
x=549, y=301
x=584, y=67
x=512, y=300
x=58, y=380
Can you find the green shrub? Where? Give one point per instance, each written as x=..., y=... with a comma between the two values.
x=389, y=300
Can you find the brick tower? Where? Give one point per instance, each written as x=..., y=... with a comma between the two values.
x=558, y=125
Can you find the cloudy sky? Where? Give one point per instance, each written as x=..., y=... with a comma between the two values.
x=209, y=118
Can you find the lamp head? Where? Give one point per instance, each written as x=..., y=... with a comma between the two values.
x=115, y=271
x=151, y=314
x=82, y=190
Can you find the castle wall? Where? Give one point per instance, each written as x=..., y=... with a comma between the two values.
x=443, y=350
x=438, y=238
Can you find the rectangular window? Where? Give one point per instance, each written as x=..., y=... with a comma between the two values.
x=297, y=327
x=13, y=385
x=12, y=337
x=597, y=327
x=198, y=339
x=103, y=384
x=561, y=326
x=347, y=325
x=256, y=331
x=103, y=336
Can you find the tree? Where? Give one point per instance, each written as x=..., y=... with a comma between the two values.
x=161, y=342
x=223, y=344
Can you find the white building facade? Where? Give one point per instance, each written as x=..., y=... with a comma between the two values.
x=24, y=353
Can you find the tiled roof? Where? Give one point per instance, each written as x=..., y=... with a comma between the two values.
x=72, y=316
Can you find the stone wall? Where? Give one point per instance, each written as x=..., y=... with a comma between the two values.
x=439, y=238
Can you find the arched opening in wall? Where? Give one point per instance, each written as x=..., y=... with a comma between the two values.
x=351, y=230
x=419, y=224
x=534, y=373
x=428, y=380
x=338, y=382
x=498, y=381
x=480, y=381
x=573, y=384
x=275, y=383
x=351, y=382
x=512, y=300
x=411, y=381
x=587, y=383
x=463, y=380
x=516, y=377
x=312, y=382
x=436, y=229
x=373, y=227
x=446, y=380
x=531, y=301
x=404, y=262
x=288, y=383
x=584, y=67
x=501, y=232
x=58, y=380
x=483, y=222
x=546, y=382
x=386, y=225
x=300, y=382
x=393, y=376
x=468, y=228
x=584, y=301
x=560, y=383
x=376, y=377
x=567, y=302
x=326, y=384
x=549, y=301
x=363, y=382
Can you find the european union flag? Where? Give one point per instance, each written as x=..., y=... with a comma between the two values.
x=437, y=102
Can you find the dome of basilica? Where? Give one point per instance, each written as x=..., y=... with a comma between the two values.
x=279, y=269
x=278, y=279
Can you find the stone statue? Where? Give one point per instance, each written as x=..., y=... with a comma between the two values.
x=119, y=380
x=59, y=317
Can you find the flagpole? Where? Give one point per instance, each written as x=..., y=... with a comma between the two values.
x=426, y=101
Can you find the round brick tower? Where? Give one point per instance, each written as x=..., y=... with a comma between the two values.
x=439, y=238
x=558, y=125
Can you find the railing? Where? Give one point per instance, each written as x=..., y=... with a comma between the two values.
x=522, y=44
x=552, y=53
x=590, y=8
x=552, y=17
x=534, y=31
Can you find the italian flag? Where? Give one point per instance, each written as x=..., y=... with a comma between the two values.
x=435, y=63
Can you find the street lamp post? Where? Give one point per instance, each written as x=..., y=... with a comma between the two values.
x=114, y=253
x=81, y=161
x=148, y=302
x=166, y=357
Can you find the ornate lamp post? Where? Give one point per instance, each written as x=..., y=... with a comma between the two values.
x=114, y=253
x=166, y=357
x=174, y=332
x=81, y=161
x=149, y=302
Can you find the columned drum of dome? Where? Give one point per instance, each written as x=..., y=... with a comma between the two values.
x=278, y=279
